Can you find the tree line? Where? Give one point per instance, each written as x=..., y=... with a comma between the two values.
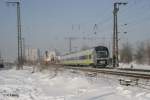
x=139, y=54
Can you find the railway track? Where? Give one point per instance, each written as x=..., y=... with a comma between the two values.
x=142, y=74
x=138, y=70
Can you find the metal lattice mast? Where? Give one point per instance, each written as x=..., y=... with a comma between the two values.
x=20, y=56
x=115, y=49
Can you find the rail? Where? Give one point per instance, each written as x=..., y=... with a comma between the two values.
x=128, y=73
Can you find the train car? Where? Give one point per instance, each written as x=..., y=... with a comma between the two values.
x=96, y=56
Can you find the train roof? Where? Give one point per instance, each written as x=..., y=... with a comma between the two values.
x=96, y=47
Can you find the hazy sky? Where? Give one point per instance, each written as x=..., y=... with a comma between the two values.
x=47, y=23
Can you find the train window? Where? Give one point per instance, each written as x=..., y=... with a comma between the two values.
x=84, y=57
x=101, y=54
x=90, y=56
x=81, y=57
x=72, y=58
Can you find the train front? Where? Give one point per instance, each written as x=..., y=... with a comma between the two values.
x=102, y=56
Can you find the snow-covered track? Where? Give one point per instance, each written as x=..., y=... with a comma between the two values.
x=127, y=73
x=133, y=69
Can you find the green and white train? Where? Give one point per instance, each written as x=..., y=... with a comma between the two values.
x=96, y=56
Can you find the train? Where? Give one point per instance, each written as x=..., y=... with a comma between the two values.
x=96, y=56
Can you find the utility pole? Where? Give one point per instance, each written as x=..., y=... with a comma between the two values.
x=20, y=60
x=23, y=50
x=70, y=46
x=115, y=48
x=70, y=42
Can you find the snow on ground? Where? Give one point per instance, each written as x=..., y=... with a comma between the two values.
x=134, y=65
x=64, y=85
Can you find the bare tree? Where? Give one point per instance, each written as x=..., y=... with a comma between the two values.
x=140, y=53
x=148, y=52
x=126, y=54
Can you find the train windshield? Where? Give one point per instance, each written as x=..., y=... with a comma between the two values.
x=102, y=54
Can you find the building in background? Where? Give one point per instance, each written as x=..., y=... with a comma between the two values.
x=32, y=55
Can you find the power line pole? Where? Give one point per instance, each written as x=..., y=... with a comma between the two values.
x=70, y=42
x=23, y=50
x=115, y=48
x=70, y=46
x=20, y=60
